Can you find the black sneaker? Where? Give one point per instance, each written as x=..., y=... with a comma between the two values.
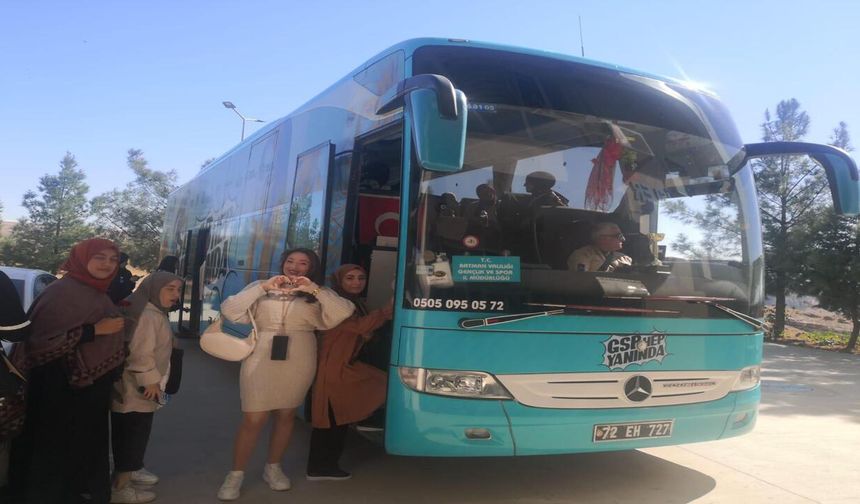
x=329, y=475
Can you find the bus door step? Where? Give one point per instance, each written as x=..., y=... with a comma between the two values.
x=372, y=433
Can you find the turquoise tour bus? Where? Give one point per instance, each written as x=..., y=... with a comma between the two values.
x=477, y=182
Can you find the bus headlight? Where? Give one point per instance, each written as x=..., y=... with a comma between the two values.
x=748, y=378
x=470, y=384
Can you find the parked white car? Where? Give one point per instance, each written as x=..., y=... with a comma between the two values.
x=29, y=283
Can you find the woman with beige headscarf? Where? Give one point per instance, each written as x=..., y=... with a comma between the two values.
x=138, y=393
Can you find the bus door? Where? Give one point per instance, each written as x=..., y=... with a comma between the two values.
x=375, y=230
x=193, y=259
x=377, y=211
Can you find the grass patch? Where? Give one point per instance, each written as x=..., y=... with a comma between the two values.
x=826, y=338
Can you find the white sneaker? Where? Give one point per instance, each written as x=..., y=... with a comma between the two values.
x=230, y=488
x=130, y=495
x=275, y=477
x=143, y=477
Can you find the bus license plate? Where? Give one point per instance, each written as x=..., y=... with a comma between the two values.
x=636, y=430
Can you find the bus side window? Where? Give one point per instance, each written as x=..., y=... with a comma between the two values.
x=307, y=209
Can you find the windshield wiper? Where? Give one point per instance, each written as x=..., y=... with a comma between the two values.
x=504, y=319
x=688, y=298
x=615, y=309
x=713, y=301
x=560, y=309
x=754, y=322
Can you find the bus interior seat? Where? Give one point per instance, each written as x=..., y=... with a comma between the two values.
x=512, y=209
x=465, y=203
x=451, y=228
x=449, y=206
x=444, y=231
x=638, y=247
x=567, y=239
x=560, y=231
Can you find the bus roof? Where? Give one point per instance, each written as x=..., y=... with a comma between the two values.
x=409, y=47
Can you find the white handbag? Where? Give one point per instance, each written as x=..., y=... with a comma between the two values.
x=218, y=343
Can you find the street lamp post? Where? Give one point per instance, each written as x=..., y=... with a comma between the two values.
x=232, y=107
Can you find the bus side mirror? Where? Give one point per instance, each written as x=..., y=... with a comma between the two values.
x=438, y=112
x=840, y=168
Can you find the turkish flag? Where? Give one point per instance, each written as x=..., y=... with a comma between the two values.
x=378, y=216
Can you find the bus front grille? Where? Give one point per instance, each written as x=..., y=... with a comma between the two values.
x=618, y=389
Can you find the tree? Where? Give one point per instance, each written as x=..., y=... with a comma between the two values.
x=56, y=219
x=791, y=191
x=719, y=223
x=134, y=216
x=840, y=137
x=831, y=271
x=303, y=229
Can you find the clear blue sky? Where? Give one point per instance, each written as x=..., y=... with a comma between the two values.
x=99, y=77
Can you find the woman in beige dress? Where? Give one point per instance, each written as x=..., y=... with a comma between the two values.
x=287, y=309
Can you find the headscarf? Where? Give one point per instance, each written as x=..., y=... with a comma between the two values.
x=76, y=265
x=149, y=291
x=337, y=286
x=65, y=305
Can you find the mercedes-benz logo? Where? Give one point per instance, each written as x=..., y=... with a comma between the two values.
x=637, y=388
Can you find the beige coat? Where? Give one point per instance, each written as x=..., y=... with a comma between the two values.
x=267, y=384
x=147, y=363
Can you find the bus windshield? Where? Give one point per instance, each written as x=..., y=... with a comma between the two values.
x=564, y=209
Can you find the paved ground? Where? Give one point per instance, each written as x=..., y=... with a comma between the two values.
x=802, y=450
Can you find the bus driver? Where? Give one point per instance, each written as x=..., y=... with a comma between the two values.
x=604, y=252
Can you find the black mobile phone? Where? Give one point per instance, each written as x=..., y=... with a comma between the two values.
x=280, y=344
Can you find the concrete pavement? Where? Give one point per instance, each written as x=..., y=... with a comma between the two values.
x=805, y=445
x=802, y=450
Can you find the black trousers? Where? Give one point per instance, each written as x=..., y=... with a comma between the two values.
x=327, y=445
x=129, y=433
x=63, y=451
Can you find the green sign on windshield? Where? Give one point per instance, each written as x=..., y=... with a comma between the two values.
x=486, y=269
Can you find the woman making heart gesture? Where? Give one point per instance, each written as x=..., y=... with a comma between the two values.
x=287, y=309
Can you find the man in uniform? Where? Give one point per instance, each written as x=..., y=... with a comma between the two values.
x=539, y=184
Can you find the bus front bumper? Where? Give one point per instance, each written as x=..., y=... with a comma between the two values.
x=421, y=424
